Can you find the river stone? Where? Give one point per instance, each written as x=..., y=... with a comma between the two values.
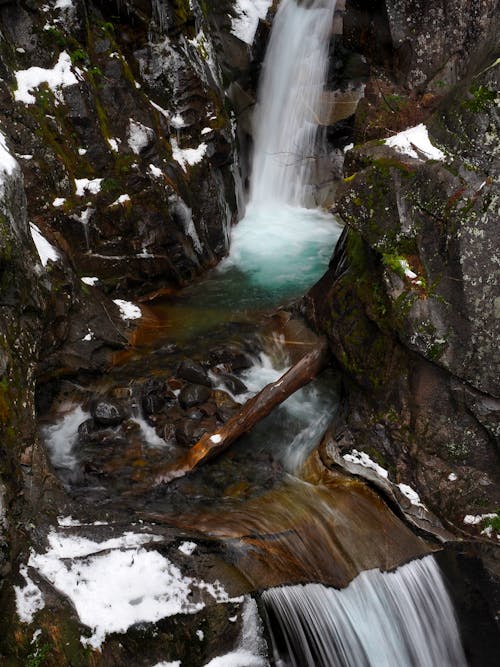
x=229, y=357
x=233, y=384
x=193, y=372
x=193, y=394
x=188, y=432
x=107, y=413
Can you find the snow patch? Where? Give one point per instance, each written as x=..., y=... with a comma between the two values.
x=117, y=583
x=139, y=136
x=248, y=12
x=187, y=548
x=45, y=250
x=60, y=76
x=216, y=438
x=113, y=144
x=122, y=199
x=87, y=186
x=90, y=280
x=156, y=171
x=58, y=201
x=412, y=495
x=362, y=458
x=8, y=164
x=128, y=310
x=187, y=156
x=473, y=520
x=415, y=138
x=29, y=598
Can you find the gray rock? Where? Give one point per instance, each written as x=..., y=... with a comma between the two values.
x=193, y=394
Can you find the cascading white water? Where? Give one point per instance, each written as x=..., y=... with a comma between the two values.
x=280, y=238
x=289, y=100
x=399, y=619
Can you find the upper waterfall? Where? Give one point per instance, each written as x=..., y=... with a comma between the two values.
x=289, y=99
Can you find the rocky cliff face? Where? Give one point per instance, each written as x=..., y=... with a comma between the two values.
x=410, y=301
x=118, y=174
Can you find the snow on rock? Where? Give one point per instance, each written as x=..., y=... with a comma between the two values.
x=139, y=136
x=45, y=250
x=472, y=520
x=122, y=199
x=29, y=598
x=248, y=13
x=177, y=121
x=128, y=310
x=415, y=138
x=60, y=76
x=412, y=495
x=87, y=186
x=156, y=171
x=187, y=548
x=8, y=163
x=90, y=280
x=361, y=458
x=187, y=156
x=113, y=144
x=117, y=583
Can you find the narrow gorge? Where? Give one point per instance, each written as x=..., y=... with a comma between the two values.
x=285, y=209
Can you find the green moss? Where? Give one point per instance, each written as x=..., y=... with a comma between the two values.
x=78, y=56
x=395, y=263
x=481, y=99
x=493, y=522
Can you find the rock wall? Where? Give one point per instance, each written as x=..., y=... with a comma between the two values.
x=410, y=299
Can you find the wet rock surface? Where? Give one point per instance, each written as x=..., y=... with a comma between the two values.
x=409, y=299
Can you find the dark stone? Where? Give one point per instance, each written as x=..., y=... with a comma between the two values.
x=107, y=413
x=188, y=432
x=169, y=434
x=155, y=396
x=193, y=394
x=230, y=357
x=193, y=372
x=233, y=384
x=87, y=431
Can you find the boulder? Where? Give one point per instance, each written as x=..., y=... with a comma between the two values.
x=193, y=394
x=193, y=372
x=107, y=413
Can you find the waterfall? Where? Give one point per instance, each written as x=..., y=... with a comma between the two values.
x=403, y=618
x=289, y=100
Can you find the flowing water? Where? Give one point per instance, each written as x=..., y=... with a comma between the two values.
x=286, y=127
x=396, y=619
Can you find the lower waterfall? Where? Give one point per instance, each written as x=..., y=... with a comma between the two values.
x=397, y=619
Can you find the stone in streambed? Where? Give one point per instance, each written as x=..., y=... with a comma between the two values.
x=188, y=432
x=232, y=384
x=156, y=396
x=193, y=394
x=230, y=357
x=107, y=413
x=193, y=372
